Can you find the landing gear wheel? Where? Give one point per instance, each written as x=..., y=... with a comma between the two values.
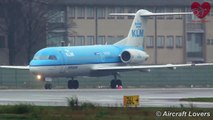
x=73, y=84
x=115, y=83
x=48, y=86
x=119, y=82
x=70, y=84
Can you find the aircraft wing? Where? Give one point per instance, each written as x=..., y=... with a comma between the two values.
x=145, y=67
x=16, y=67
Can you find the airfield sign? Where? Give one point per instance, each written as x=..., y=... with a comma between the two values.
x=131, y=101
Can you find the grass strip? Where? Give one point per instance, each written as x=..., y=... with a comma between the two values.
x=30, y=112
x=198, y=99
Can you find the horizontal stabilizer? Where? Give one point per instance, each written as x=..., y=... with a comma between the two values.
x=147, y=14
x=122, y=14
x=164, y=14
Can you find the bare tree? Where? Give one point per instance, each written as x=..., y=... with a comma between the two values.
x=34, y=20
x=10, y=10
x=26, y=25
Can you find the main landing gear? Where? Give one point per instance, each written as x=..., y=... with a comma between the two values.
x=73, y=84
x=115, y=83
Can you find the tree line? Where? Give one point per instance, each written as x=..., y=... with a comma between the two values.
x=25, y=24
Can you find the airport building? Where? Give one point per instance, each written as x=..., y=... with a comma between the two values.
x=168, y=39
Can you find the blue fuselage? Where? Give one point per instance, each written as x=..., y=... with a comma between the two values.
x=67, y=61
x=97, y=54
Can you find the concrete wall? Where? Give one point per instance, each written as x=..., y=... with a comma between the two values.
x=209, y=35
x=4, y=56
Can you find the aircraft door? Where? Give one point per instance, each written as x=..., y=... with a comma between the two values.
x=100, y=56
x=62, y=61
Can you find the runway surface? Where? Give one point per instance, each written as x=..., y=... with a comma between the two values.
x=158, y=97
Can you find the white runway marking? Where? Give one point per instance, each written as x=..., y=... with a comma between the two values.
x=158, y=97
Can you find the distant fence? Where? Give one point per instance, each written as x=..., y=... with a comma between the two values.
x=12, y=78
x=182, y=77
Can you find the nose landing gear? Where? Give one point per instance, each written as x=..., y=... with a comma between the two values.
x=48, y=83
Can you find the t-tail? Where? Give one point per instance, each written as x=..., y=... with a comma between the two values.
x=135, y=36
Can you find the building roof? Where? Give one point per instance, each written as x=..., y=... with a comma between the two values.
x=128, y=2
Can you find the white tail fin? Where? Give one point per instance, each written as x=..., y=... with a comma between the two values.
x=136, y=33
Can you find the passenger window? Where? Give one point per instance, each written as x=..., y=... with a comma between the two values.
x=52, y=57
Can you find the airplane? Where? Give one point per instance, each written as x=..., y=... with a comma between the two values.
x=98, y=60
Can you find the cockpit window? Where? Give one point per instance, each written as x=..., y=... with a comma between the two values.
x=45, y=57
x=41, y=57
x=52, y=57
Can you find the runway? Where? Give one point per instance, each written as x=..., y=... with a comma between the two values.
x=157, y=97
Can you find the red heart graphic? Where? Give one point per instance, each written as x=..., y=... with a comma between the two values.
x=200, y=10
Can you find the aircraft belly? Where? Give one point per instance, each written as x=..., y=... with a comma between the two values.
x=77, y=70
x=71, y=70
x=48, y=71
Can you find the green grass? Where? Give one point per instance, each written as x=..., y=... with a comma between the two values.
x=30, y=112
x=198, y=99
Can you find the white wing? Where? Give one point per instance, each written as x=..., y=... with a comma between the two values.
x=144, y=67
x=16, y=67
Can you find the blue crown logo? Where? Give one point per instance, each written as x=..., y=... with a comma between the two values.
x=138, y=24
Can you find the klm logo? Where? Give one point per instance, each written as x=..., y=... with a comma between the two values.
x=138, y=24
x=138, y=33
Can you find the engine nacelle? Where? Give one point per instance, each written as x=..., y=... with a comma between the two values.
x=133, y=56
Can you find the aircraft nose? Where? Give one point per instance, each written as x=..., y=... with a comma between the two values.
x=34, y=70
x=147, y=57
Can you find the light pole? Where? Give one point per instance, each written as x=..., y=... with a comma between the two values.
x=155, y=32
